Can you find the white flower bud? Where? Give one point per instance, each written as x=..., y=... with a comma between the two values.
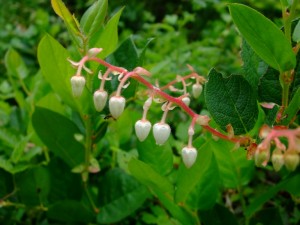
x=161, y=132
x=186, y=100
x=142, y=129
x=116, y=105
x=100, y=98
x=77, y=83
x=197, y=90
x=277, y=159
x=189, y=156
x=291, y=160
x=94, y=51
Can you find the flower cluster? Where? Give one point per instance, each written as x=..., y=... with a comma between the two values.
x=281, y=155
x=116, y=103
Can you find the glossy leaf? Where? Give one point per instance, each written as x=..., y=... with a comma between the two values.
x=70, y=211
x=56, y=69
x=93, y=18
x=149, y=177
x=253, y=66
x=57, y=132
x=269, y=88
x=231, y=101
x=71, y=22
x=236, y=170
x=33, y=186
x=160, y=158
x=218, y=215
x=184, y=183
x=120, y=196
x=266, y=39
x=296, y=32
x=292, y=109
x=107, y=37
x=15, y=64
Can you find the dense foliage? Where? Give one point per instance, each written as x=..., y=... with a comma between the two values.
x=72, y=151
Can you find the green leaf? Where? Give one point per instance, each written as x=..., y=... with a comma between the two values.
x=267, y=216
x=258, y=202
x=120, y=195
x=184, y=183
x=63, y=182
x=296, y=33
x=231, y=101
x=6, y=183
x=93, y=18
x=160, y=158
x=253, y=66
x=218, y=215
x=206, y=192
x=292, y=109
x=149, y=177
x=236, y=170
x=269, y=89
x=33, y=186
x=57, y=132
x=19, y=149
x=15, y=64
x=107, y=37
x=56, y=69
x=266, y=39
x=70, y=211
x=71, y=22
x=178, y=212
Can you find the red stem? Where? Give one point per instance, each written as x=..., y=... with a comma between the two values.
x=177, y=101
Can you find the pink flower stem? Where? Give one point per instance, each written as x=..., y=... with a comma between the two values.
x=160, y=92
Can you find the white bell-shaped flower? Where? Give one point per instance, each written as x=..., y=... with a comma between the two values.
x=197, y=90
x=142, y=129
x=161, y=132
x=186, y=100
x=189, y=156
x=100, y=98
x=116, y=106
x=77, y=83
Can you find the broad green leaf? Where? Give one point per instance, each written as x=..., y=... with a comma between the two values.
x=19, y=149
x=206, y=192
x=57, y=132
x=63, y=182
x=218, y=215
x=184, y=183
x=13, y=169
x=269, y=89
x=70, y=211
x=120, y=195
x=236, y=170
x=231, y=101
x=15, y=64
x=71, y=22
x=258, y=202
x=6, y=183
x=33, y=186
x=266, y=39
x=160, y=158
x=296, y=33
x=107, y=37
x=267, y=216
x=56, y=69
x=253, y=66
x=292, y=109
x=178, y=212
x=93, y=18
x=149, y=177
x=8, y=137
x=51, y=102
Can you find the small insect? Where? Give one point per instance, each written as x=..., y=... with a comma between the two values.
x=109, y=116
